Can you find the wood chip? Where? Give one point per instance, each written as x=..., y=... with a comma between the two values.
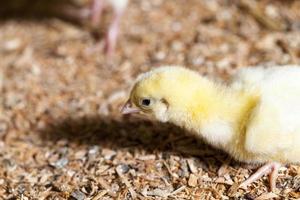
x=266, y=196
x=192, y=166
x=105, y=185
x=193, y=180
x=159, y=193
x=119, y=171
x=147, y=157
x=259, y=15
x=99, y=195
x=178, y=190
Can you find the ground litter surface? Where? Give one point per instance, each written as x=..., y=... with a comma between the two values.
x=62, y=136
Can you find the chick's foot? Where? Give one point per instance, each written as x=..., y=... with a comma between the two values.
x=269, y=168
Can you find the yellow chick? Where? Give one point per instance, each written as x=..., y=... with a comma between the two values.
x=255, y=119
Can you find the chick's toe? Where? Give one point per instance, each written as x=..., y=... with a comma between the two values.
x=269, y=168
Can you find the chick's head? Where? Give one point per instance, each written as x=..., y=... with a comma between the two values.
x=161, y=91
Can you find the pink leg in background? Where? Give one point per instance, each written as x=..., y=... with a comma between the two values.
x=112, y=34
x=96, y=12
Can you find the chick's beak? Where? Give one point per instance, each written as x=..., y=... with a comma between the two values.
x=128, y=109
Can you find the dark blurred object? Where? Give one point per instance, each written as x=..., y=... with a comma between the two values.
x=66, y=9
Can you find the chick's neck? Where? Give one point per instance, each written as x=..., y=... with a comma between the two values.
x=214, y=112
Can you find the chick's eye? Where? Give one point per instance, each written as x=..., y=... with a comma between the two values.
x=146, y=102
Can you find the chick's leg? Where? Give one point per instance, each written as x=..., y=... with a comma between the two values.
x=269, y=168
x=274, y=175
x=96, y=12
x=112, y=34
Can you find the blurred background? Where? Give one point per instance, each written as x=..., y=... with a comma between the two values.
x=62, y=136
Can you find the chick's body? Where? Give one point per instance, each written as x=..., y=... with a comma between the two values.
x=273, y=130
x=255, y=119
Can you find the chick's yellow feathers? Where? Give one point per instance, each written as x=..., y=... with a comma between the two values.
x=255, y=119
x=274, y=128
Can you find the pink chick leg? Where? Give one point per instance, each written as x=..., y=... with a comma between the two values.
x=269, y=168
x=112, y=34
x=96, y=11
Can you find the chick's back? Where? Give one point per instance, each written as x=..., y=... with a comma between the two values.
x=273, y=131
